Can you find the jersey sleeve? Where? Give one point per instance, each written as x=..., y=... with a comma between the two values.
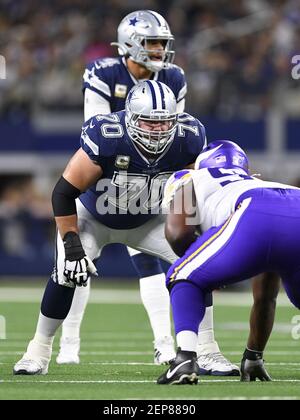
x=96, y=78
x=174, y=183
x=96, y=146
x=179, y=83
x=202, y=140
x=193, y=135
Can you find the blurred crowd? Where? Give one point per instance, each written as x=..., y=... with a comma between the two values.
x=26, y=224
x=236, y=53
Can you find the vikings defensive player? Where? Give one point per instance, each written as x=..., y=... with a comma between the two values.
x=247, y=226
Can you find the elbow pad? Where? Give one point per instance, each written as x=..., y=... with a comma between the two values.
x=63, y=198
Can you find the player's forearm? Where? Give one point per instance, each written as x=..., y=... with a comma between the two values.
x=179, y=236
x=67, y=224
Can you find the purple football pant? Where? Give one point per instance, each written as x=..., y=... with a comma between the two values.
x=262, y=235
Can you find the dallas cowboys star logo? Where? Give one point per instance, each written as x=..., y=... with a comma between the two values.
x=133, y=21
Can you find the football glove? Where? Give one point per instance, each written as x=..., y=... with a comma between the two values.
x=252, y=367
x=78, y=266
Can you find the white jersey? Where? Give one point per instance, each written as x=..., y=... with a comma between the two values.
x=217, y=191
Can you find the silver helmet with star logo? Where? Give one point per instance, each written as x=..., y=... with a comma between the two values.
x=137, y=31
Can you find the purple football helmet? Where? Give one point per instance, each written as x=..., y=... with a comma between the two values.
x=223, y=154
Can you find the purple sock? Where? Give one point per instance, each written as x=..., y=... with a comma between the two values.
x=188, y=305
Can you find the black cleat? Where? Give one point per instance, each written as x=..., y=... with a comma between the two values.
x=182, y=371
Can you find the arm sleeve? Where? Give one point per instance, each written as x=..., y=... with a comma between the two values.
x=63, y=198
x=94, y=104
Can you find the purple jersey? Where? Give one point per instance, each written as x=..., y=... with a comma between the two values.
x=262, y=235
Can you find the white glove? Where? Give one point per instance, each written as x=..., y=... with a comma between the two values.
x=79, y=271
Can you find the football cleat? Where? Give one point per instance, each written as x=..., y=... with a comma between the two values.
x=31, y=367
x=69, y=351
x=254, y=369
x=215, y=364
x=182, y=371
x=164, y=351
x=35, y=361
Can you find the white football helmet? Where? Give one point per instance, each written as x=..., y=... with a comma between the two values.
x=151, y=101
x=136, y=29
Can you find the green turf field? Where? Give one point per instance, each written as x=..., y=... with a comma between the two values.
x=117, y=354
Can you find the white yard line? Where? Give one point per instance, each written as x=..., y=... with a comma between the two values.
x=119, y=296
x=144, y=343
x=114, y=363
x=129, y=382
x=146, y=353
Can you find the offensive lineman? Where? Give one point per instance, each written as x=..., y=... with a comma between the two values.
x=118, y=175
x=145, y=44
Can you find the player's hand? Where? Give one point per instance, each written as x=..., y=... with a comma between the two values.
x=254, y=369
x=78, y=266
x=79, y=271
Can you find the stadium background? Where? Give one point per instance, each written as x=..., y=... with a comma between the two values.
x=237, y=56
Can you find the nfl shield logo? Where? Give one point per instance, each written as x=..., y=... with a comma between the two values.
x=122, y=162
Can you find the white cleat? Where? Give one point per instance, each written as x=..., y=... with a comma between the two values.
x=164, y=351
x=69, y=351
x=35, y=361
x=215, y=364
x=31, y=367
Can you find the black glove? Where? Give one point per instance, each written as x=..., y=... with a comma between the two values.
x=252, y=367
x=78, y=266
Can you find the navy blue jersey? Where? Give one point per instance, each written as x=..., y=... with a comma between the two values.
x=110, y=78
x=130, y=190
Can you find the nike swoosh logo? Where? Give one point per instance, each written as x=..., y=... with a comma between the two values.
x=92, y=125
x=170, y=373
x=206, y=155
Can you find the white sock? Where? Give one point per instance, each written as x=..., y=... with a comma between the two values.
x=206, y=336
x=187, y=340
x=156, y=300
x=40, y=347
x=71, y=325
x=47, y=327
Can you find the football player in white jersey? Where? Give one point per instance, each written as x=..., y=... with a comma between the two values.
x=145, y=45
x=226, y=226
